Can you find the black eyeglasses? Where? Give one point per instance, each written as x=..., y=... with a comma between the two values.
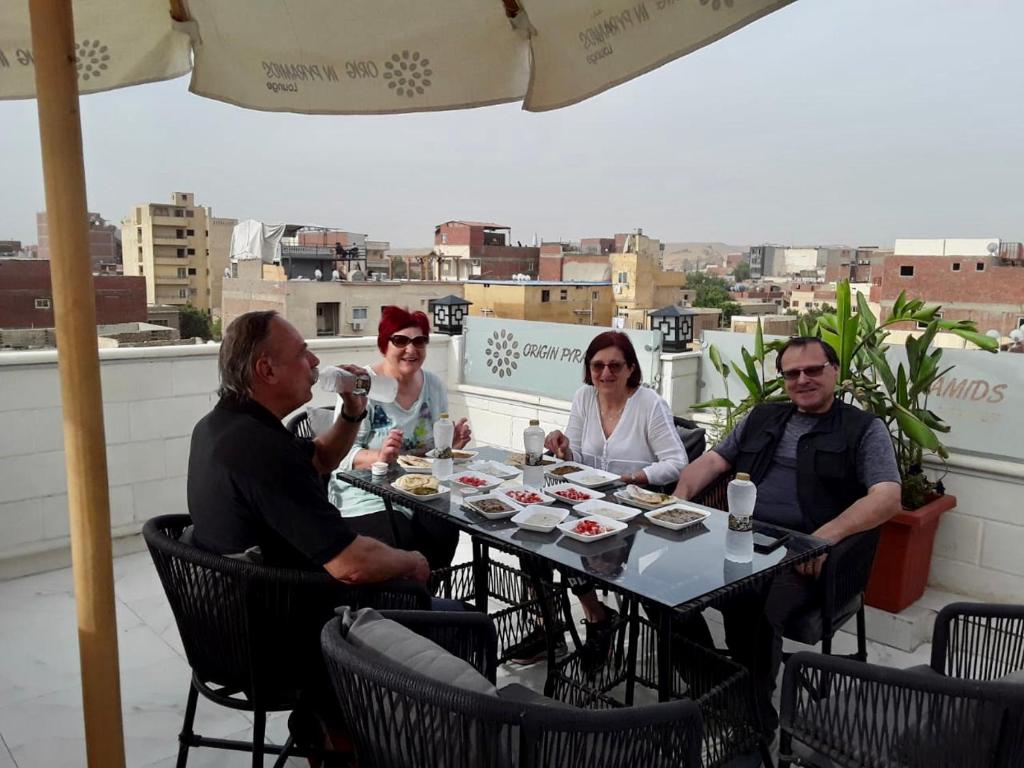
x=613, y=368
x=811, y=372
x=401, y=341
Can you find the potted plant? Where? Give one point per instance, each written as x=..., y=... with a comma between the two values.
x=900, y=398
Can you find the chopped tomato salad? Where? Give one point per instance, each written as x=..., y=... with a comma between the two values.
x=476, y=482
x=590, y=528
x=571, y=494
x=526, y=497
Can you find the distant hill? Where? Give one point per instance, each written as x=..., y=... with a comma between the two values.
x=689, y=256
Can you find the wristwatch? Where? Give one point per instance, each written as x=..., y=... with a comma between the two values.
x=353, y=419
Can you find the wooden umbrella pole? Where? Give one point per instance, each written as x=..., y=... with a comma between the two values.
x=60, y=134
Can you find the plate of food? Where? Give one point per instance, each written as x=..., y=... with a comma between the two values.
x=478, y=481
x=604, y=508
x=523, y=495
x=677, y=516
x=571, y=494
x=537, y=517
x=457, y=455
x=638, y=497
x=422, y=487
x=591, y=528
x=591, y=477
x=493, y=506
x=518, y=460
x=559, y=472
x=412, y=463
x=495, y=468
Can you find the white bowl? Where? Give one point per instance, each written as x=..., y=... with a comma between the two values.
x=604, y=508
x=496, y=468
x=552, y=517
x=470, y=501
x=655, y=516
x=627, y=498
x=544, y=498
x=558, y=489
x=489, y=481
x=611, y=528
x=460, y=455
x=592, y=477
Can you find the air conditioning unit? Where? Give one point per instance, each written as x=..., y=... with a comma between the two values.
x=619, y=287
x=357, y=325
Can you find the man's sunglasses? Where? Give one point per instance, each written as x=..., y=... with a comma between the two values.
x=401, y=341
x=811, y=372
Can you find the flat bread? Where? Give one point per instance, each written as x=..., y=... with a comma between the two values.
x=421, y=485
x=647, y=497
x=415, y=462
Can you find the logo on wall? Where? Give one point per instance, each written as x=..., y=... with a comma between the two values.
x=502, y=353
x=408, y=74
x=91, y=57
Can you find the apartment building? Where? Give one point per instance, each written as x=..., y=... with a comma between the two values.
x=104, y=243
x=464, y=250
x=170, y=244
x=551, y=301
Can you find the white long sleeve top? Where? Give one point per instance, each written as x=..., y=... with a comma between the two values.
x=645, y=437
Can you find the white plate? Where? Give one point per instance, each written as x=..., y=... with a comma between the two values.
x=442, y=490
x=563, y=465
x=558, y=488
x=591, y=477
x=653, y=516
x=459, y=455
x=554, y=517
x=612, y=526
x=518, y=460
x=624, y=496
x=489, y=481
x=496, y=468
x=544, y=498
x=470, y=501
x=417, y=470
x=598, y=506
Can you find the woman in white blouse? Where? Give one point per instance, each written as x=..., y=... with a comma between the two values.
x=618, y=426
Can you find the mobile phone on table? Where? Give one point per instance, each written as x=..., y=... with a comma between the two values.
x=765, y=543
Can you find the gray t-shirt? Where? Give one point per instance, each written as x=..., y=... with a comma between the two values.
x=777, y=492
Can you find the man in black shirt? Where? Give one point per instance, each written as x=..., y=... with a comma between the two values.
x=251, y=483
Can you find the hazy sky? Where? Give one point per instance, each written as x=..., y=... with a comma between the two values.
x=830, y=121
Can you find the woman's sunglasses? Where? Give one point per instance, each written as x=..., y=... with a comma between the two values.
x=401, y=341
x=613, y=368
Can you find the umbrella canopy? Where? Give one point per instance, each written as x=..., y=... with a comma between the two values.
x=379, y=56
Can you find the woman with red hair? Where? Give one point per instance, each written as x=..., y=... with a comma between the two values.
x=404, y=426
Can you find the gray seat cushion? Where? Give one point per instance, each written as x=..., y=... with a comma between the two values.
x=520, y=694
x=369, y=631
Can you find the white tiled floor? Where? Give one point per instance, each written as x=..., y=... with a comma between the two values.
x=40, y=704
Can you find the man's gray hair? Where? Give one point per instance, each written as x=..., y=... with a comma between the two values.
x=239, y=350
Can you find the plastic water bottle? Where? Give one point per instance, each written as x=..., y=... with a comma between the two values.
x=739, y=539
x=382, y=389
x=533, y=448
x=444, y=434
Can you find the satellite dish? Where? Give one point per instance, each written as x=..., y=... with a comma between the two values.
x=1017, y=335
x=335, y=275
x=992, y=247
x=317, y=274
x=227, y=271
x=993, y=334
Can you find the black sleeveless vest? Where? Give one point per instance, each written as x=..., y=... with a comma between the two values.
x=826, y=465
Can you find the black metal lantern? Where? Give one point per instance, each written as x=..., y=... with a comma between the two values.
x=675, y=325
x=449, y=312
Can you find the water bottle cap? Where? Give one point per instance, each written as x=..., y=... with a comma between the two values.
x=534, y=422
x=743, y=476
x=444, y=415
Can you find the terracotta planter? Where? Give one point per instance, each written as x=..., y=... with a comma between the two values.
x=900, y=572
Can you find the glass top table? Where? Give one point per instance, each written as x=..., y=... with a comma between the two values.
x=683, y=570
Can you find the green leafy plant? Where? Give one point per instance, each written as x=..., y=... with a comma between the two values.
x=867, y=377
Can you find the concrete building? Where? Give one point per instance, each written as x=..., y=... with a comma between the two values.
x=639, y=283
x=104, y=243
x=329, y=308
x=219, y=246
x=168, y=245
x=775, y=325
x=26, y=297
x=970, y=279
x=763, y=258
x=551, y=301
x=10, y=249
x=464, y=250
x=806, y=296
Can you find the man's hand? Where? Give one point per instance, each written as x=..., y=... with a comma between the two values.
x=421, y=568
x=391, y=447
x=812, y=568
x=353, y=404
x=557, y=443
x=463, y=434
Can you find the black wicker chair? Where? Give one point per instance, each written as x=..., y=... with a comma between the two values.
x=430, y=724
x=250, y=632
x=693, y=435
x=843, y=579
x=299, y=424
x=956, y=712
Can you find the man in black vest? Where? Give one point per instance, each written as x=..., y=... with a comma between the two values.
x=821, y=467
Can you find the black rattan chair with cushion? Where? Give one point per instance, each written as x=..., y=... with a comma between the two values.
x=251, y=632
x=430, y=723
x=844, y=577
x=858, y=714
x=693, y=435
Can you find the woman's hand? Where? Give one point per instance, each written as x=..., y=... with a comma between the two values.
x=558, y=444
x=636, y=478
x=391, y=447
x=463, y=434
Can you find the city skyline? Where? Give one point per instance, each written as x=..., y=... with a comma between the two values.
x=848, y=122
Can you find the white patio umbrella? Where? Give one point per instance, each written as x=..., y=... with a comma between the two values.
x=318, y=56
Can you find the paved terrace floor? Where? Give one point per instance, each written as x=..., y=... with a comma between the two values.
x=40, y=692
